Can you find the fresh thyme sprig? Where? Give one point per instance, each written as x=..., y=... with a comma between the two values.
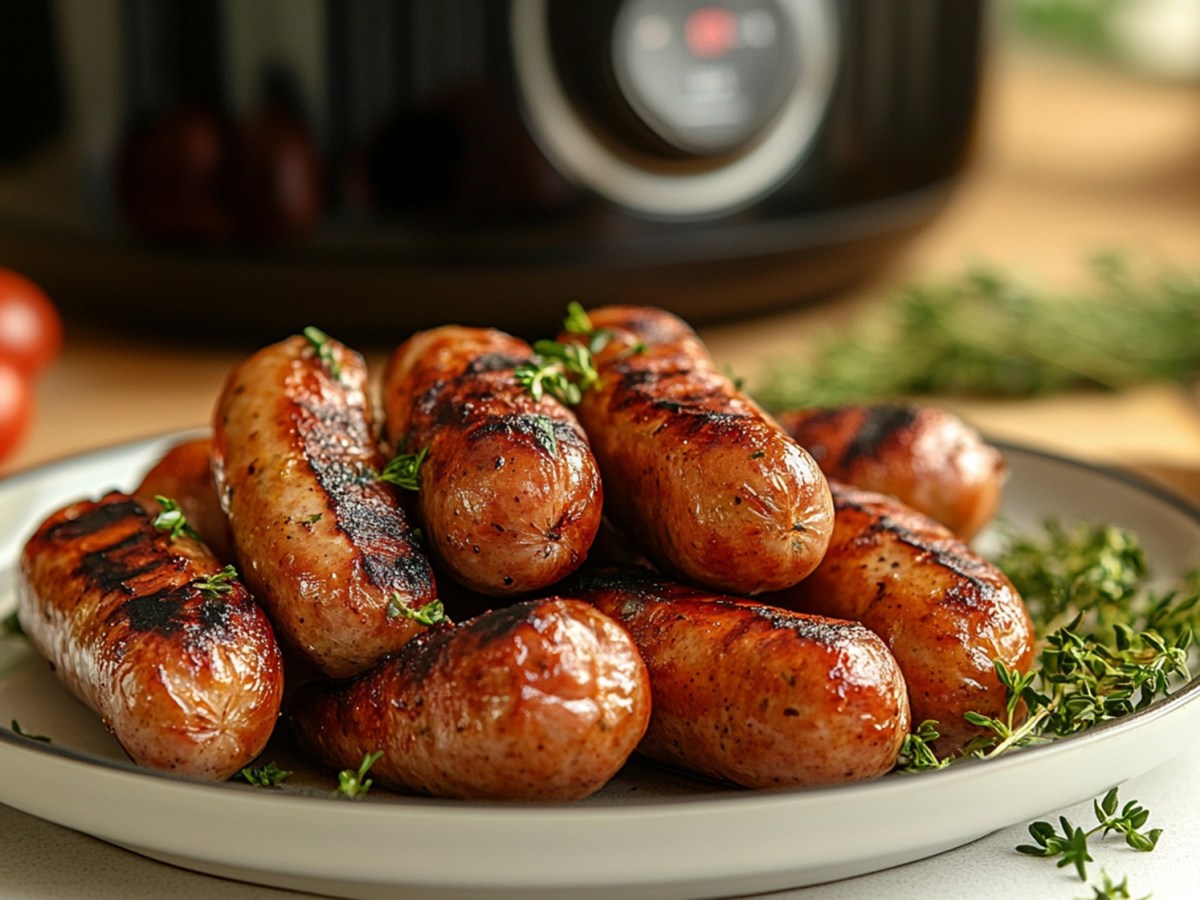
x=171, y=519
x=989, y=334
x=1111, y=890
x=218, y=584
x=1072, y=843
x=356, y=784
x=404, y=470
x=16, y=729
x=432, y=613
x=265, y=776
x=320, y=343
x=563, y=371
x=917, y=754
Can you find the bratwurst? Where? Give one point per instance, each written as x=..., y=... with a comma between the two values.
x=944, y=612
x=147, y=630
x=509, y=492
x=542, y=700
x=753, y=694
x=694, y=471
x=323, y=544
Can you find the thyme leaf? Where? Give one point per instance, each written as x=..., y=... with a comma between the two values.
x=171, y=519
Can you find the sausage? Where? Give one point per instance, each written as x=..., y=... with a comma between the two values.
x=324, y=545
x=925, y=457
x=184, y=671
x=753, y=694
x=184, y=474
x=510, y=494
x=700, y=477
x=541, y=700
x=944, y=612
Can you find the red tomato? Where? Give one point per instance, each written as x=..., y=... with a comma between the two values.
x=30, y=329
x=16, y=405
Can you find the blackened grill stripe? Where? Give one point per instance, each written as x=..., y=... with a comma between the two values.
x=879, y=423
x=96, y=519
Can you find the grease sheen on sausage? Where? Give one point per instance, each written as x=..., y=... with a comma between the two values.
x=187, y=680
x=699, y=476
x=542, y=700
x=754, y=694
x=944, y=612
x=184, y=474
x=925, y=457
x=323, y=544
x=510, y=494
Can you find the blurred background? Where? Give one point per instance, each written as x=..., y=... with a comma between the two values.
x=188, y=179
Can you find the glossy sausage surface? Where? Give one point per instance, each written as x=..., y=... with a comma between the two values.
x=184, y=474
x=700, y=477
x=323, y=544
x=944, y=612
x=542, y=700
x=187, y=679
x=753, y=694
x=926, y=457
x=510, y=494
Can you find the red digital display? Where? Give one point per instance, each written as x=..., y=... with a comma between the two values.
x=710, y=32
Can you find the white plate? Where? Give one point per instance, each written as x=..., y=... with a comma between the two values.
x=650, y=832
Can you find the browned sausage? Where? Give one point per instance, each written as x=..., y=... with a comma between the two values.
x=184, y=474
x=926, y=457
x=754, y=694
x=324, y=545
x=542, y=700
x=510, y=494
x=945, y=612
x=184, y=671
x=700, y=477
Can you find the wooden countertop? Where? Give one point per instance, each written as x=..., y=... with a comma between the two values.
x=1070, y=159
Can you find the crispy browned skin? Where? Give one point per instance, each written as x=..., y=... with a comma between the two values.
x=754, y=694
x=323, y=544
x=923, y=456
x=542, y=700
x=700, y=477
x=510, y=493
x=945, y=612
x=184, y=474
x=187, y=681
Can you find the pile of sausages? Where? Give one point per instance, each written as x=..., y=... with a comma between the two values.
x=663, y=569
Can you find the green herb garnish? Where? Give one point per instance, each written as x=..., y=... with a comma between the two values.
x=217, y=584
x=322, y=346
x=16, y=729
x=988, y=334
x=171, y=519
x=404, y=470
x=1110, y=890
x=916, y=754
x=563, y=371
x=266, y=776
x=432, y=613
x=355, y=784
x=1071, y=844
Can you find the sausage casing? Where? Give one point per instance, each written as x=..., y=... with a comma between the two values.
x=187, y=679
x=541, y=700
x=510, y=494
x=324, y=545
x=184, y=474
x=925, y=457
x=944, y=612
x=700, y=477
x=753, y=694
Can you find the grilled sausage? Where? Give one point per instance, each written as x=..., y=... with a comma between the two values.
x=541, y=700
x=753, y=694
x=510, y=495
x=184, y=474
x=324, y=545
x=925, y=457
x=184, y=671
x=944, y=612
x=695, y=472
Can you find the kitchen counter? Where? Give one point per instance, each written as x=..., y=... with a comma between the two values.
x=1070, y=159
